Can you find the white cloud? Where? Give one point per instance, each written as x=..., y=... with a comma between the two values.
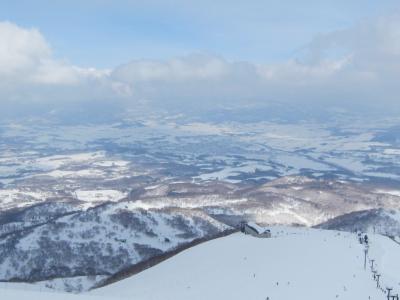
x=20, y=49
x=26, y=57
x=359, y=65
x=194, y=67
x=34, y=82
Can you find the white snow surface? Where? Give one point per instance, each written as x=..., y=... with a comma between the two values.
x=99, y=195
x=14, y=292
x=294, y=264
x=389, y=192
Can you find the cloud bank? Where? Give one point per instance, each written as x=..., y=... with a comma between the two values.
x=358, y=66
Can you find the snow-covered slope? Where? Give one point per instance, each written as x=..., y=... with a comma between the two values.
x=386, y=222
x=12, y=292
x=100, y=241
x=294, y=264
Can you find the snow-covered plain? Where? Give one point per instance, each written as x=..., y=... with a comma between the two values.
x=229, y=151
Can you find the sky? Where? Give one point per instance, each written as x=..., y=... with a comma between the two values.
x=168, y=53
x=105, y=34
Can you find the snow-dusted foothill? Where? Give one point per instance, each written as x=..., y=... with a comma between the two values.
x=385, y=222
x=100, y=241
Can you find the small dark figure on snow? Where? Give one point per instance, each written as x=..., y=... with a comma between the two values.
x=366, y=239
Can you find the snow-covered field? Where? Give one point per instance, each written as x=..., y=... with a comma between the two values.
x=229, y=151
x=20, y=197
x=99, y=195
x=389, y=192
